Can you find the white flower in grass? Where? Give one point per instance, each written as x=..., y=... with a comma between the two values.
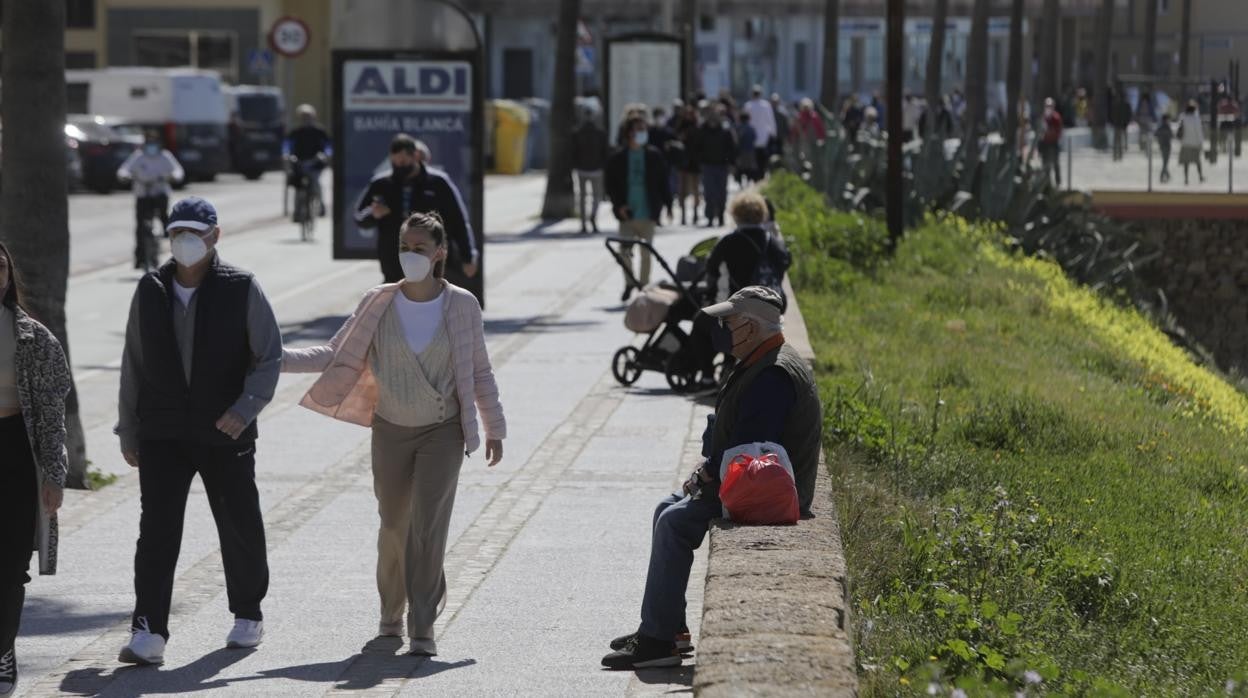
x=1032, y=677
x=957, y=693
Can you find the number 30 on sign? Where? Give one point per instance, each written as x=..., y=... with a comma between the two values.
x=289, y=36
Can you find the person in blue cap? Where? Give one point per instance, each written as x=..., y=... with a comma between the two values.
x=201, y=359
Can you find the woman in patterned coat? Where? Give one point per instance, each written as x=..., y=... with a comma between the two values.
x=34, y=380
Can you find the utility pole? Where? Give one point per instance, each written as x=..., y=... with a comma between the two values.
x=894, y=189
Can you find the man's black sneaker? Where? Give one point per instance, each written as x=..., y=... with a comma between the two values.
x=8, y=673
x=684, y=641
x=642, y=652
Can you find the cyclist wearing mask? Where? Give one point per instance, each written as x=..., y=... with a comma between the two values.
x=309, y=146
x=408, y=187
x=152, y=169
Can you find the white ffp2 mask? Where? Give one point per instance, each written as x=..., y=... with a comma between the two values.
x=416, y=266
x=188, y=249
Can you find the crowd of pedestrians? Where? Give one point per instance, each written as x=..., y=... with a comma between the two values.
x=704, y=142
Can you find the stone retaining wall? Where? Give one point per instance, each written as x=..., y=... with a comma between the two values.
x=1204, y=273
x=775, y=618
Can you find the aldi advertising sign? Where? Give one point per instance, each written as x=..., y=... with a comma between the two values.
x=379, y=94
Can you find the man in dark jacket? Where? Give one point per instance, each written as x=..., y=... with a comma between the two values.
x=408, y=187
x=771, y=396
x=310, y=146
x=201, y=359
x=638, y=187
x=716, y=151
x=589, y=158
x=662, y=137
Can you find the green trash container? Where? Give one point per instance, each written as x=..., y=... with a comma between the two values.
x=511, y=133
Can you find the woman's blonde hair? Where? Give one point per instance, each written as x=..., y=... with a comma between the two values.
x=748, y=208
x=430, y=223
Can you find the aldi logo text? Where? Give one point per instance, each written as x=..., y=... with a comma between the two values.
x=407, y=86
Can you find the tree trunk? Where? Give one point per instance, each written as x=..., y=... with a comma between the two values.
x=1149, y=63
x=560, y=201
x=1185, y=46
x=1014, y=75
x=976, y=88
x=936, y=66
x=33, y=203
x=1100, y=77
x=1049, y=68
x=690, y=35
x=831, y=57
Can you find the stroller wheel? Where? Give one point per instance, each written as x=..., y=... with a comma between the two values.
x=680, y=376
x=624, y=366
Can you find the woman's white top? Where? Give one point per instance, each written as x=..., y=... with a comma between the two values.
x=411, y=359
x=421, y=320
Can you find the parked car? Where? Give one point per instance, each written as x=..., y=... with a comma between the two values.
x=256, y=128
x=186, y=105
x=103, y=144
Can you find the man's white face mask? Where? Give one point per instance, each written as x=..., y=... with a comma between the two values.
x=188, y=248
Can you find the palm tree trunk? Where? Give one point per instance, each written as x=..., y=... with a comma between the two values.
x=1185, y=46
x=33, y=204
x=690, y=34
x=831, y=57
x=560, y=201
x=936, y=65
x=1150, y=41
x=1014, y=75
x=976, y=88
x=1049, y=68
x=1100, y=77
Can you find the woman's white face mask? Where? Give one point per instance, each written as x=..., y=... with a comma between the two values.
x=416, y=266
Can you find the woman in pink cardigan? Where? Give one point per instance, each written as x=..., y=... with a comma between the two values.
x=411, y=364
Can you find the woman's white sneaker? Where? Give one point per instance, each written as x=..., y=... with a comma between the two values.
x=246, y=633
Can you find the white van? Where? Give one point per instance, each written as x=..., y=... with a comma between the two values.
x=186, y=105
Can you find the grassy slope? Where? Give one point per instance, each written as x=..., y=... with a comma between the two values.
x=1030, y=479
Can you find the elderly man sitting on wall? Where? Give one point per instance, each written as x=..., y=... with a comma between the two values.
x=770, y=396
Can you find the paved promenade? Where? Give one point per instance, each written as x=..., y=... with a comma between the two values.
x=547, y=551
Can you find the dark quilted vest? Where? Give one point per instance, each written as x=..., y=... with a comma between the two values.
x=802, y=431
x=169, y=409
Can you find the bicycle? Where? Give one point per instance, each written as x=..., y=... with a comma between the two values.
x=150, y=209
x=300, y=175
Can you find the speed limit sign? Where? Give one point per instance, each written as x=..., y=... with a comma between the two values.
x=289, y=36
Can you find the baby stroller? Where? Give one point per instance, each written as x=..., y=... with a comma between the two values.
x=658, y=311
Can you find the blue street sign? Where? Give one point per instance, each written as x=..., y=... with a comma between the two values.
x=260, y=61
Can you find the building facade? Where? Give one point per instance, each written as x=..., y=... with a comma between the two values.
x=736, y=43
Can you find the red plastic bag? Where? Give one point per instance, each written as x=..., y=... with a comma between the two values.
x=759, y=491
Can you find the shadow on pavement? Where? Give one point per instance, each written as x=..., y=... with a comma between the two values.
x=363, y=671
x=193, y=677
x=669, y=676
x=529, y=236
x=43, y=616
x=532, y=324
x=318, y=328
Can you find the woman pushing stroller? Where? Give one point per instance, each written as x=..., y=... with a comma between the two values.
x=754, y=254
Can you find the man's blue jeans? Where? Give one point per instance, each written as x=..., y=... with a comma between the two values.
x=680, y=524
